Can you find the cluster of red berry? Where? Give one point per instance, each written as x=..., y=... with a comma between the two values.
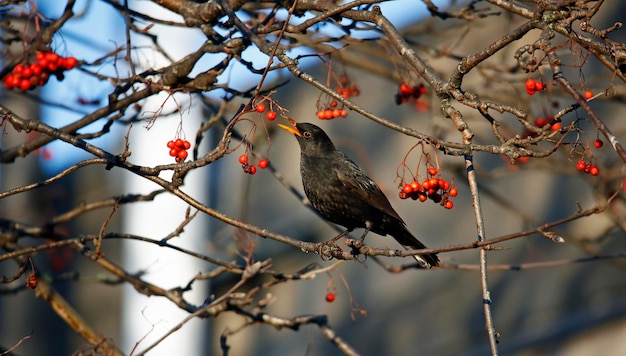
x=592, y=169
x=436, y=189
x=250, y=168
x=178, y=149
x=270, y=115
x=589, y=168
x=346, y=88
x=407, y=93
x=331, y=109
x=332, y=113
x=26, y=76
x=533, y=86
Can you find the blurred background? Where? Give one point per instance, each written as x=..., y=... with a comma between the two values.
x=575, y=308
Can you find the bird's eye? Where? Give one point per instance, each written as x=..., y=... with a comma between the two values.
x=306, y=134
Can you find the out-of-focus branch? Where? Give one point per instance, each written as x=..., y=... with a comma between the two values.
x=64, y=310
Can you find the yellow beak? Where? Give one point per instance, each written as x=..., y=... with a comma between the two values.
x=291, y=129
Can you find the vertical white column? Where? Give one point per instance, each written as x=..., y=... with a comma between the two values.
x=146, y=319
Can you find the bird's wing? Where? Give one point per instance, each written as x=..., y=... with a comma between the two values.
x=362, y=186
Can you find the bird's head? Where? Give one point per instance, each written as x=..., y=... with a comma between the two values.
x=313, y=140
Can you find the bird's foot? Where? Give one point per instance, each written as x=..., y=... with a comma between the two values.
x=357, y=247
x=327, y=249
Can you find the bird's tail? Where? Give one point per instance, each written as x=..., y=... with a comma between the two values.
x=410, y=242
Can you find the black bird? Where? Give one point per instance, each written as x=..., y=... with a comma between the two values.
x=343, y=194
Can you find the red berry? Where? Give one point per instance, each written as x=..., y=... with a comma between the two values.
x=173, y=152
x=70, y=62
x=35, y=68
x=18, y=69
x=243, y=159
x=405, y=89
x=403, y=195
x=52, y=66
x=328, y=114
x=539, y=86
x=422, y=197
x=530, y=91
x=407, y=188
x=581, y=165
x=43, y=62
x=541, y=121
x=171, y=144
x=530, y=85
x=449, y=204
x=330, y=297
x=11, y=81
x=598, y=143
x=415, y=186
x=52, y=57
x=251, y=169
x=344, y=113
x=433, y=183
x=453, y=192
x=333, y=104
x=336, y=113
x=260, y=107
x=263, y=163
x=556, y=126
x=444, y=184
x=270, y=115
x=432, y=171
x=25, y=84
x=588, y=94
x=27, y=72
x=186, y=144
x=40, y=55
x=320, y=114
x=594, y=170
x=43, y=78
x=182, y=154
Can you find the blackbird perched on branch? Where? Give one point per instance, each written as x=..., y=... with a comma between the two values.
x=343, y=194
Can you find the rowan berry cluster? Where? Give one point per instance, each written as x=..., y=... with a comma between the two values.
x=251, y=168
x=178, y=149
x=270, y=115
x=407, y=93
x=583, y=166
x=433, y=187
x=332, y=112
x=533, y=86
x=28, y=76
x=331, y=109
x=346, y=88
